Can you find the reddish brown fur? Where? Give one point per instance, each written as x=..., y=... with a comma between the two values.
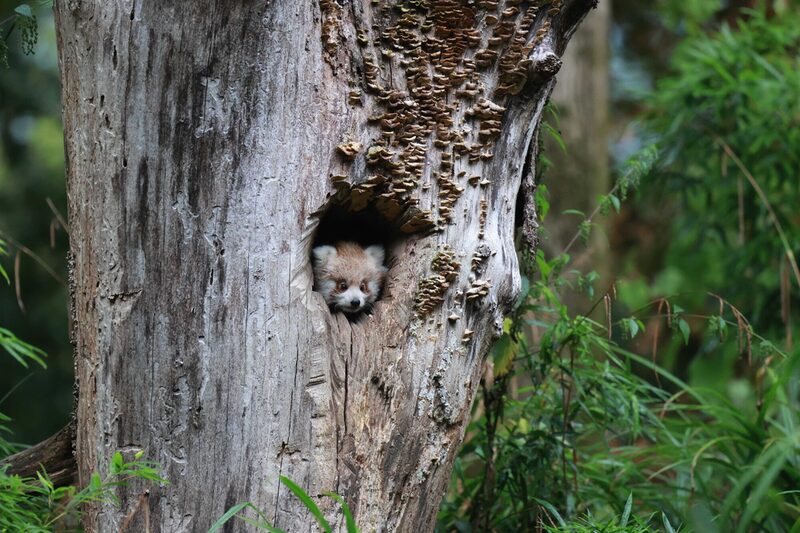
x=352, y=265
x=351, y=273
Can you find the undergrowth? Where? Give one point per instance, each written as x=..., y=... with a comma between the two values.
x=580, y=424
x=35, y=504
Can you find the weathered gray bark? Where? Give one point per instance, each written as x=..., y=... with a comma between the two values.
x=202, y=140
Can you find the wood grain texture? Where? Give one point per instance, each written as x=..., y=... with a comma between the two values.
x=201, y=141
x=53, y=455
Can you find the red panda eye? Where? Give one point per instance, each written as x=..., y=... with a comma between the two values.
x=341, y=285
x=364, y=286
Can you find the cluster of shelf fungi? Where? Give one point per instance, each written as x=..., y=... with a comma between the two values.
x=435, y=75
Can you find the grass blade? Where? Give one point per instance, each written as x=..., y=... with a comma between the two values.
x=627, y=512
x=308, y=502
x=233, y=511
x=348, y=516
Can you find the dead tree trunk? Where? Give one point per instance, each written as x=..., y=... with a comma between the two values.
x=206, y=143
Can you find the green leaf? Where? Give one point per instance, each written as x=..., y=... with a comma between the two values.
x=552, y=510
x=756, y=494
x=667, y=525
x=684, y=329
x=718, y=326
x=348, y=516
x=503, y=353
x=24, y=10
x=544, y=266
x=45, y=481
x=555, y=135
x=19, y=349
x=233, y=511
x=117, y=463
x=542, y=203
x=585, y=230
x=615, y=202
x=626, y=513
x=701, y=519
x=630, y=327
x=308, y=502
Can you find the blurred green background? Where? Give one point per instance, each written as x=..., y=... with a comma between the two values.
x=31, y=172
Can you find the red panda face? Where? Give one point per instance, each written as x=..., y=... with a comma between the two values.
x=348, y=276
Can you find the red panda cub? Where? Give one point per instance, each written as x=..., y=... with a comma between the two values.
x=348, y=276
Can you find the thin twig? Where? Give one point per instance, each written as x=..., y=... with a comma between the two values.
x=589, y=219
x=30, y=253
x=661, y=302
x=765, y=201
x=17, y=385
x=57, y=213
x=17, y=284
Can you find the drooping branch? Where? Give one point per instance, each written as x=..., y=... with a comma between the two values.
x=53, y=455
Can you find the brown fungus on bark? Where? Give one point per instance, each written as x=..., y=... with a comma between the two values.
x=375, y=211
x=478, y=290
x=432, y=289
x=480, y=258
x=422, y=73
x=467, y=337
x=482, y=218
x=349, y=149
x=331, y=29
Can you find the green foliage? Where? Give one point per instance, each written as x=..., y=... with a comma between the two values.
x=597, y=422
x=31, y=181
x=633, y=170
x=24, y=21
x=262, y=523
x=236, y=510
x=726, y=119
x=20, y=350
x=624, y=524
x=29, y=33
x=36, y=505
x=576, y=430
x=3, y=252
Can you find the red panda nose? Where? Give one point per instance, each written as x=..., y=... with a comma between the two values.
x=355, y=302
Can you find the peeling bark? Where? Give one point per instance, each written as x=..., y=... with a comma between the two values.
x=204, y=142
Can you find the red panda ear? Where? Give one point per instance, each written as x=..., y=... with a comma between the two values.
x=377, y=253
x=323, y=254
